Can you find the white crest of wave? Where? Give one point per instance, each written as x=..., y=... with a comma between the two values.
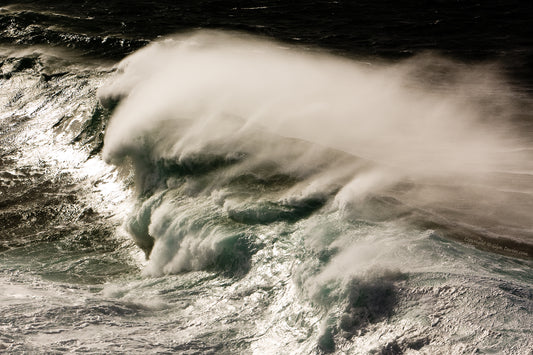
x=217, y=85
x=429, y=119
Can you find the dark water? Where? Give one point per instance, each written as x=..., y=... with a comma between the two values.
x=469, y=30
x=276, y=177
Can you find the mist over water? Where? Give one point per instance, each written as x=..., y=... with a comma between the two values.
x=217, y=80
x=434, y=134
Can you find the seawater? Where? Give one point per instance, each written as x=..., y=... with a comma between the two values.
x=216, y=192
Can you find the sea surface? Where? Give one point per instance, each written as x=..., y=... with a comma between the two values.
x=266, y=177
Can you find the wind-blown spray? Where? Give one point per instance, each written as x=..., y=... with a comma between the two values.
x=343, y=129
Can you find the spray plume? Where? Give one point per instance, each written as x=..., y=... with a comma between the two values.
x=339, y=126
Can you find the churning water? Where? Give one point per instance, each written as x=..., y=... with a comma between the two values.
x=221, y=192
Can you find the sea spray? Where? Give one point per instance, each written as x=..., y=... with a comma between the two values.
x=207, y=111
x=326, y=182
x=218, y=87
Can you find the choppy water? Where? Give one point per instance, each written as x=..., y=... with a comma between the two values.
x=216, y=192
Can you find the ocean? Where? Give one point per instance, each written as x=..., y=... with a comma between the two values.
x=266, y=177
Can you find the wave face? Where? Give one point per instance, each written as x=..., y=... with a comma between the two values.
x=259, y=197
x=221, y=111
x=326, y=190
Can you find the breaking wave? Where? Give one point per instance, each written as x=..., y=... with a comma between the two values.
x=259, y=133
x=287, y=201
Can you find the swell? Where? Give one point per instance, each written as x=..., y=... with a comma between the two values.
x=34, y=28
